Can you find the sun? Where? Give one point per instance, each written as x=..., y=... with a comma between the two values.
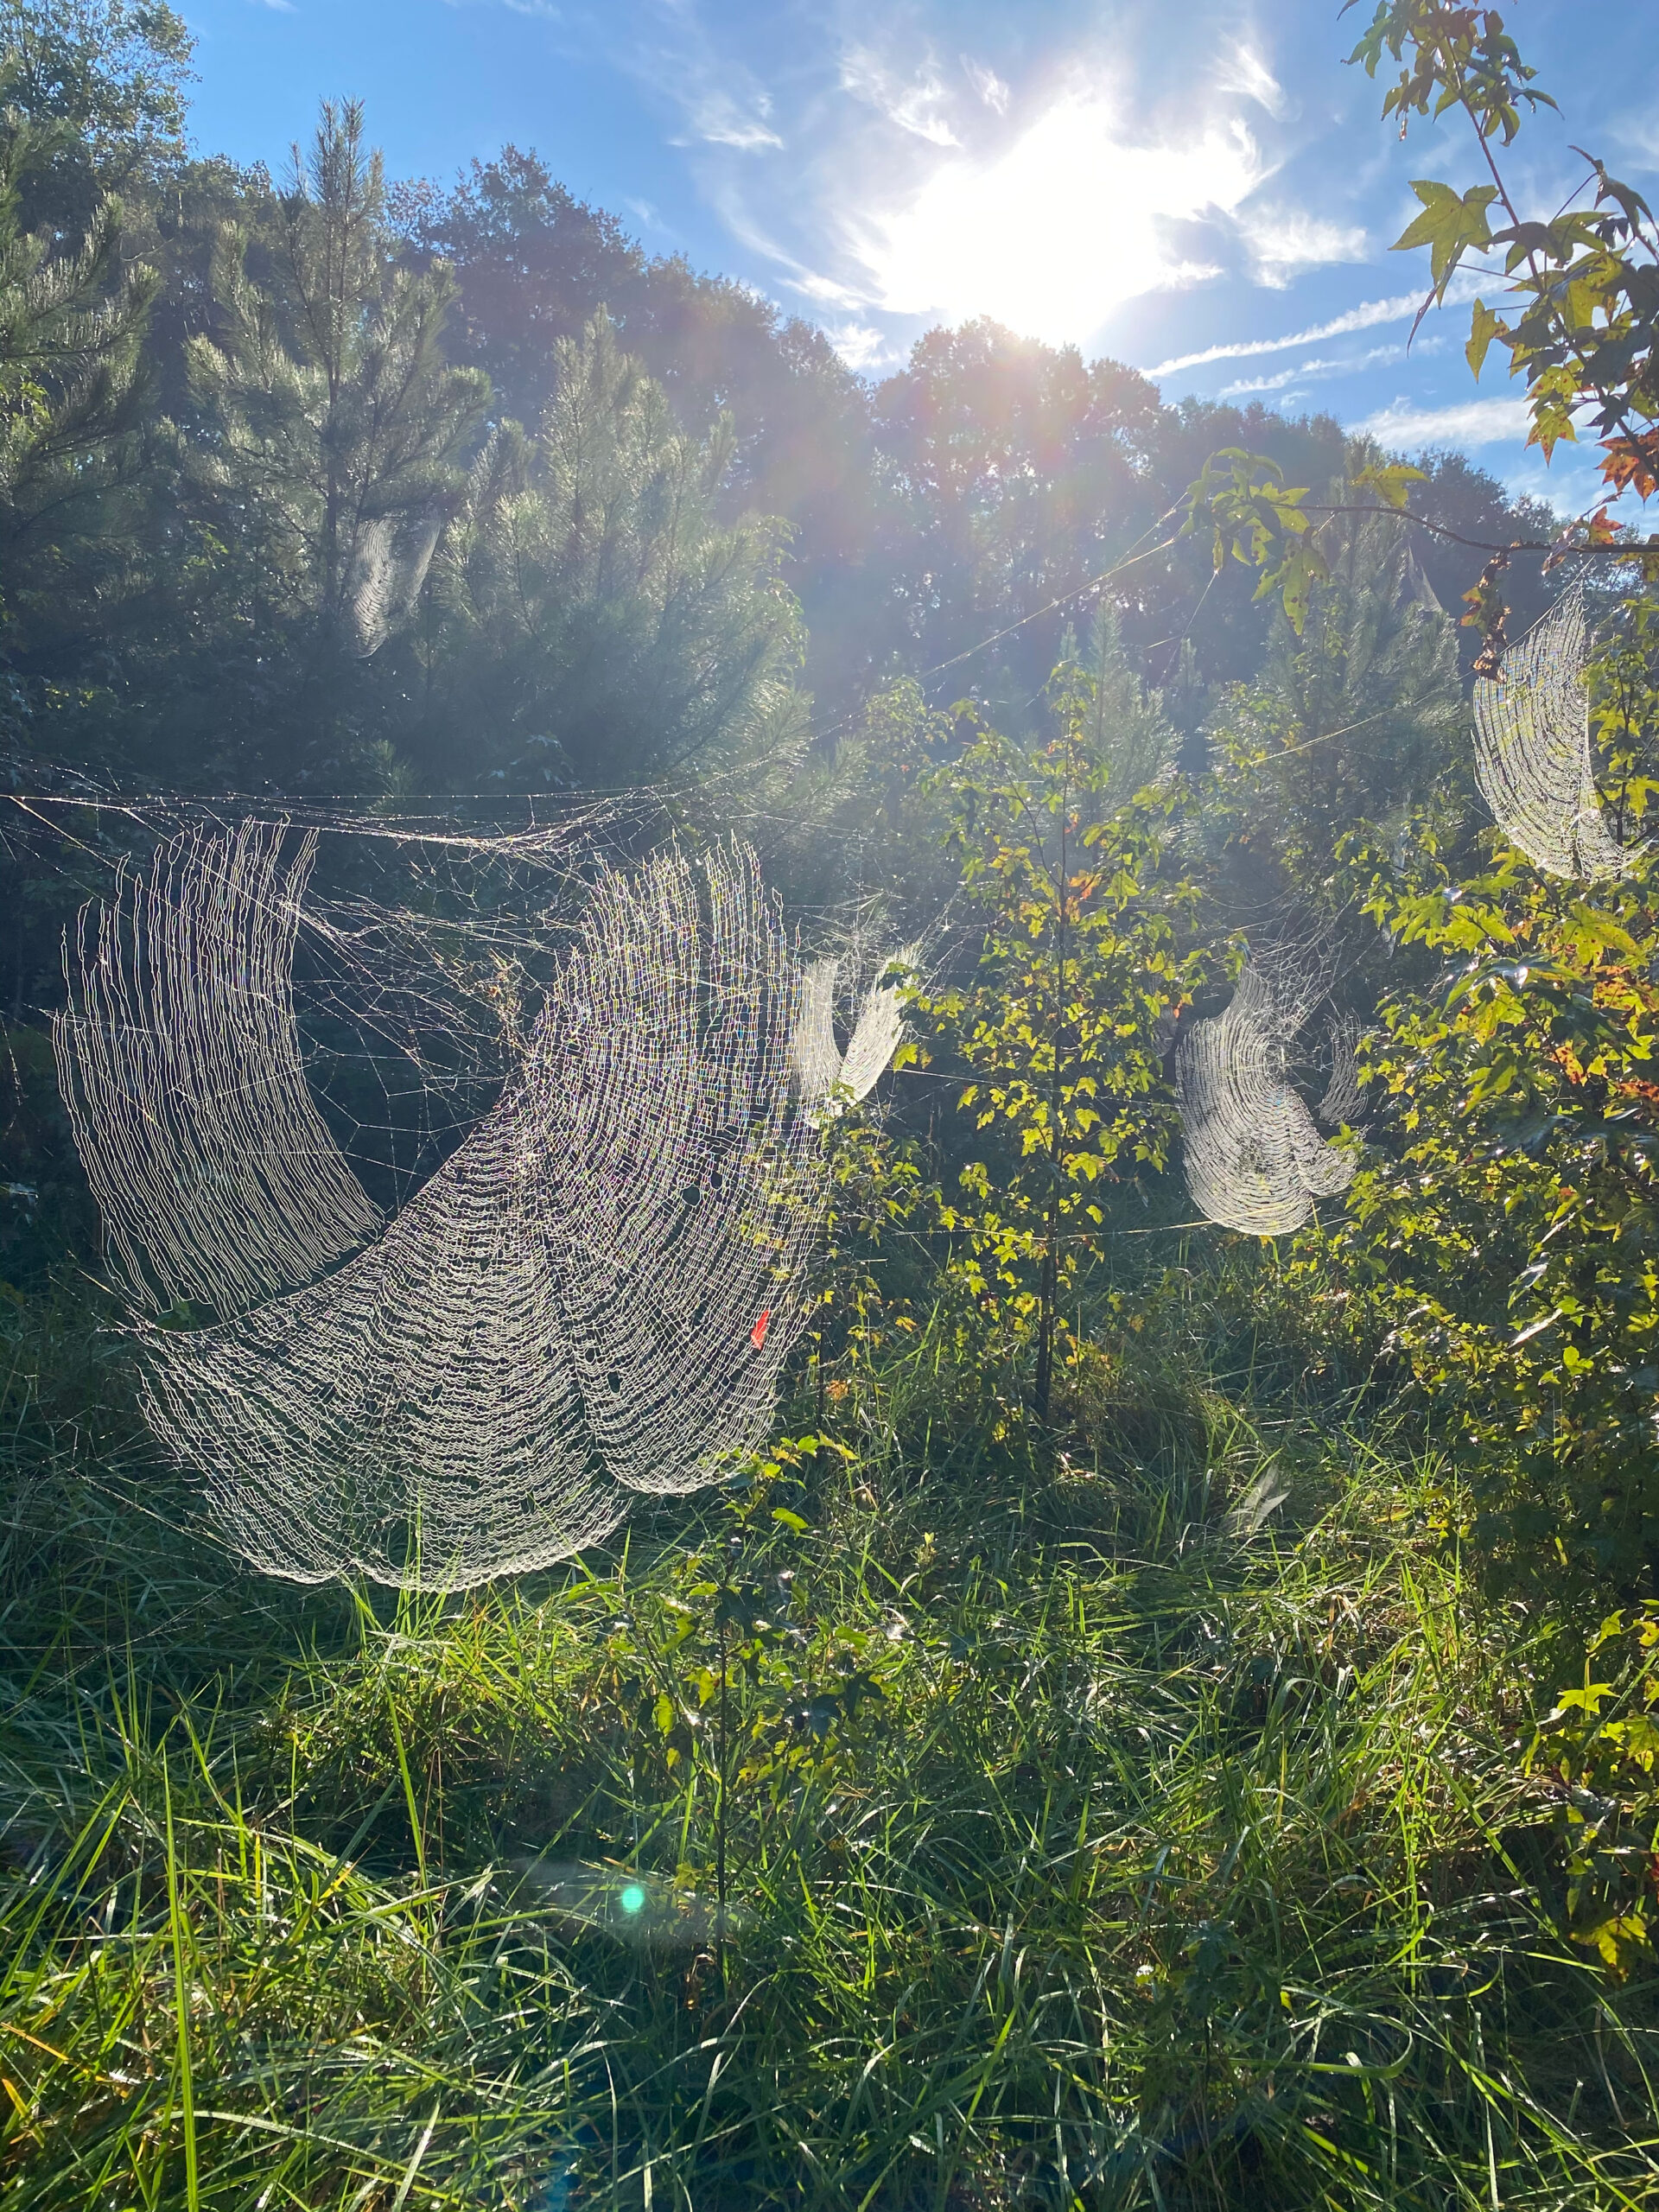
x=1059, y=228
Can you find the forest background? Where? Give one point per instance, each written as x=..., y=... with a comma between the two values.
x=1179, y=1701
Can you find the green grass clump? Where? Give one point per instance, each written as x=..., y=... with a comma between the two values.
x=1081, y=1848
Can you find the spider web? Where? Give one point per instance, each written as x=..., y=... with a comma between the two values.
x=180, y=1064
x=395, y=959
x=1254, y=1159
x=1533, y=760
x=829, y=1079
x=591, y=1296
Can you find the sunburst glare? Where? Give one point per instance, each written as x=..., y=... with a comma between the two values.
x=1053, y=233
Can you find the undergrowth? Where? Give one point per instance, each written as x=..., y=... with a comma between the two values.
x=1148, y=1823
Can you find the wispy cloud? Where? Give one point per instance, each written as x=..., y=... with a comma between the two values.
x=861, y=345
x=823, y=290
x=719, y=120
x=669, y=47
x=916, y=106
x=1350, y=365
x=1248, y=386
x=1369, y=315
x=987, y=86
x=1468, y=423
x=1284, y=241
x=1244, y=70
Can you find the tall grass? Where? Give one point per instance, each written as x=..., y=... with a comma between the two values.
x=1157, y=1865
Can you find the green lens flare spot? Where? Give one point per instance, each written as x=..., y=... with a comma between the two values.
x=633, y=1899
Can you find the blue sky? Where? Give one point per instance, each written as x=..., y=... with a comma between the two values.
x=1201, y=189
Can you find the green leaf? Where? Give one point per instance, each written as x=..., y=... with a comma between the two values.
x=792, y=1521
x=1484, y=327
x=1302, y=567
x=1586, y=1701
x=1449, y=225
x=1390, y=482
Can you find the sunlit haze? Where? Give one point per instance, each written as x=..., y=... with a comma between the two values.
x=1190, y=191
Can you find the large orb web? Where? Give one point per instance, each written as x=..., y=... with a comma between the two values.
x=1533, y=760
x=1254, y=1159
x=594, y=1294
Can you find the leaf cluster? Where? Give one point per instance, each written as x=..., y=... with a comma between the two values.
x=1452, y=55
x=1508, y=1229
x=1084, y=955
x=1254, y=517
x=1585, y=283
x=1599, y=1746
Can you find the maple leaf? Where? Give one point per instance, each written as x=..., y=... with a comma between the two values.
x=1632, y=463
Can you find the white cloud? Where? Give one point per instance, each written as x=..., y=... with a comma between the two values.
x=1367, y=316
x=914, y=106
x=1259, y=383
x=861, y=345
x=1350, y=367
x=987, y=84
x=1282, y=241
x=1053, y=232
x=1470, y=423
x=1402, y=308
x=811, y=285
x=1245, y=71
x=719, y=121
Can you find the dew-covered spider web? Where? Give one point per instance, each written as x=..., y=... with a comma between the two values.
x=592, y=1293
x=1254, y=1159
x=377, y=971
x=181, y=1065
x=829, y=1077
x=1532, y=750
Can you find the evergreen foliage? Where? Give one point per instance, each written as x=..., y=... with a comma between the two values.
x=1355, y=720
x=601, y=621
x=334, y=423
x=70, y=398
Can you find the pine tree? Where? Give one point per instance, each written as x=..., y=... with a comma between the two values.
x=599, y=618
x=337, y=426
x=69, y=330
x=70, y=392
x=1125, y=726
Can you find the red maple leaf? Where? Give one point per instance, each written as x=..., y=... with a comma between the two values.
x=758, y=1333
